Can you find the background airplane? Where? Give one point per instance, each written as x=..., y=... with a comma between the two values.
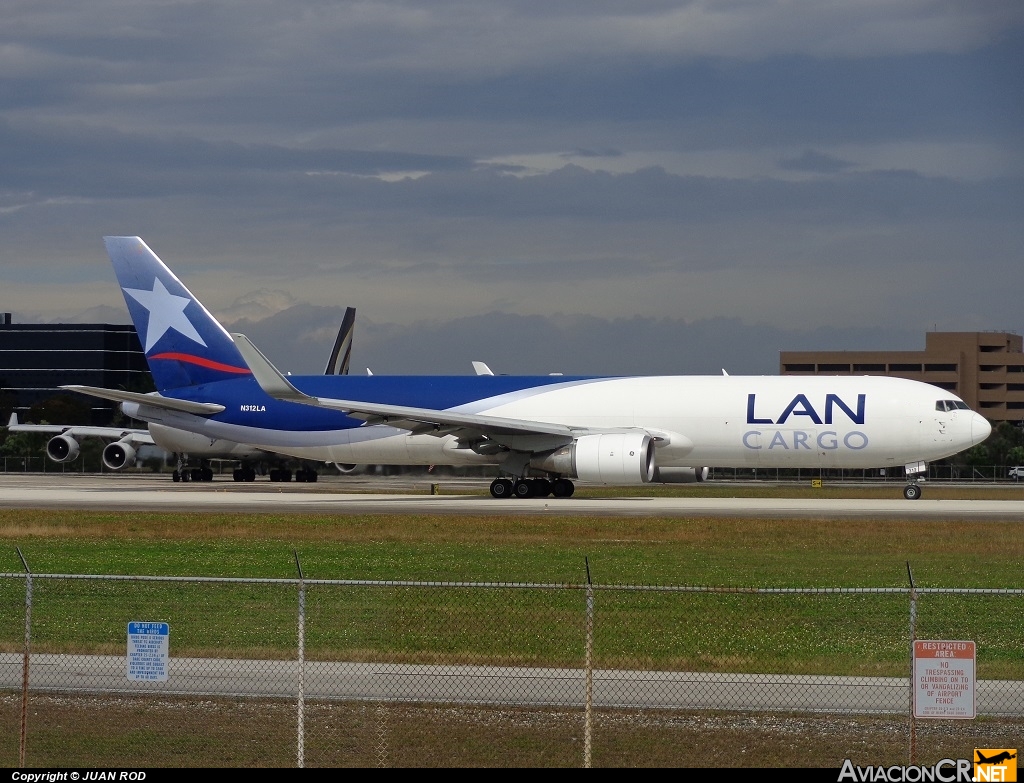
x=126, y=443
x=541, y=432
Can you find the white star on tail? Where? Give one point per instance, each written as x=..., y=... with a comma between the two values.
x=166, y=311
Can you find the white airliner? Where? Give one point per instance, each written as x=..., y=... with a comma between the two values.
x=540, y=432
x=125, y=444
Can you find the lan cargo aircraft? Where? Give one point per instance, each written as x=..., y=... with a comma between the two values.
x=540, y=431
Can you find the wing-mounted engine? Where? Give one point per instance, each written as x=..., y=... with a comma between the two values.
x=120, y=454
x=679, y=475
x=607, y=458
x=62, y=448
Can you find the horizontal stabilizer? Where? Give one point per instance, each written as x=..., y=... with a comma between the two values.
x=153, y=400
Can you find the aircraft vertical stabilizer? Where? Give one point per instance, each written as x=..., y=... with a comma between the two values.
x=341, y=356
x=184, y=344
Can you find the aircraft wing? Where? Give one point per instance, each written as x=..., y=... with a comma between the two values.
x=153, y=400
x=515, y=433
x=113, y=433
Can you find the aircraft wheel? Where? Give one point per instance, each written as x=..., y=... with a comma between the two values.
x=501, y=488
x=238, y=474
x=563, y=488
x=207, y=474
x=912, y=491
x=523, y=488
x=541, y=487
x=175, y=477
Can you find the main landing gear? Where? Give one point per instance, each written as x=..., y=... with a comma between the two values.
x=192, y=474
x=531, y=488
x=184, y=473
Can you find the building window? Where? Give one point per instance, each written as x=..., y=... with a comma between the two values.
x=940, y=368
x=833, y=368
x=869, y=368
x=799, y=368
x=904, y=368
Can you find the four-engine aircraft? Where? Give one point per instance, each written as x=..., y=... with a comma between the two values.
x=540, y=432
x=124, y=443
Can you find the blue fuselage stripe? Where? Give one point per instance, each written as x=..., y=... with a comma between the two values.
x=246, y=404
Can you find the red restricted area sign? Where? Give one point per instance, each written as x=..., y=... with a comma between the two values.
x=944, y=679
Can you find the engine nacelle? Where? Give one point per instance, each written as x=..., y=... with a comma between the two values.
x=679, y=475
x=118, y=455
x=62, y=448
x=346, y=469
x=610, y=458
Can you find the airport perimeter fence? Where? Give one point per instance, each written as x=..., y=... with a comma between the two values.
x=343, y=673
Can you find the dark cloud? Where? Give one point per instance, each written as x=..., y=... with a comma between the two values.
x=793, y=165
x=571, y=344
x=810, y=160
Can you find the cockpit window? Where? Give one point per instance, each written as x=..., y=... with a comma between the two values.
x=951, y=405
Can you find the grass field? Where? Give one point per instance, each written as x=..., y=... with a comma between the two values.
x=721, y=632
x=725, y=632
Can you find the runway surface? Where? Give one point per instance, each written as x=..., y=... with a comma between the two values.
x=402, y=495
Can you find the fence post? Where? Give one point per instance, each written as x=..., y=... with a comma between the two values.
x=913, y=638
x=588, y=667
x=25, y=660
x=301, y=733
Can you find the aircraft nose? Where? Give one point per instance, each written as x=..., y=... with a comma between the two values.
x=980, y=428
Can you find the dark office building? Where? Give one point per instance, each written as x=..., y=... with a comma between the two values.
x=36, y=359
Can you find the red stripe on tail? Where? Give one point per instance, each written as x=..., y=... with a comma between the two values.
x=211, y=365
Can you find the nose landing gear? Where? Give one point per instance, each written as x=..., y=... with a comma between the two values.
x=914, y=469
x=912, y=491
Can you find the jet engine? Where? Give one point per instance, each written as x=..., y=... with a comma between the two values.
x=120, y=454
x=346, y=469
x=62, y=448
x=679, y=475
x=609, y=458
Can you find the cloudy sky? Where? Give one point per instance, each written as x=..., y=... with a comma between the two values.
x=651, y=186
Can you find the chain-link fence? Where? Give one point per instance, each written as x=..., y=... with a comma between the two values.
x=284, y=672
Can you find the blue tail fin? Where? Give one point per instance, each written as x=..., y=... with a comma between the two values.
x=184, y=344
